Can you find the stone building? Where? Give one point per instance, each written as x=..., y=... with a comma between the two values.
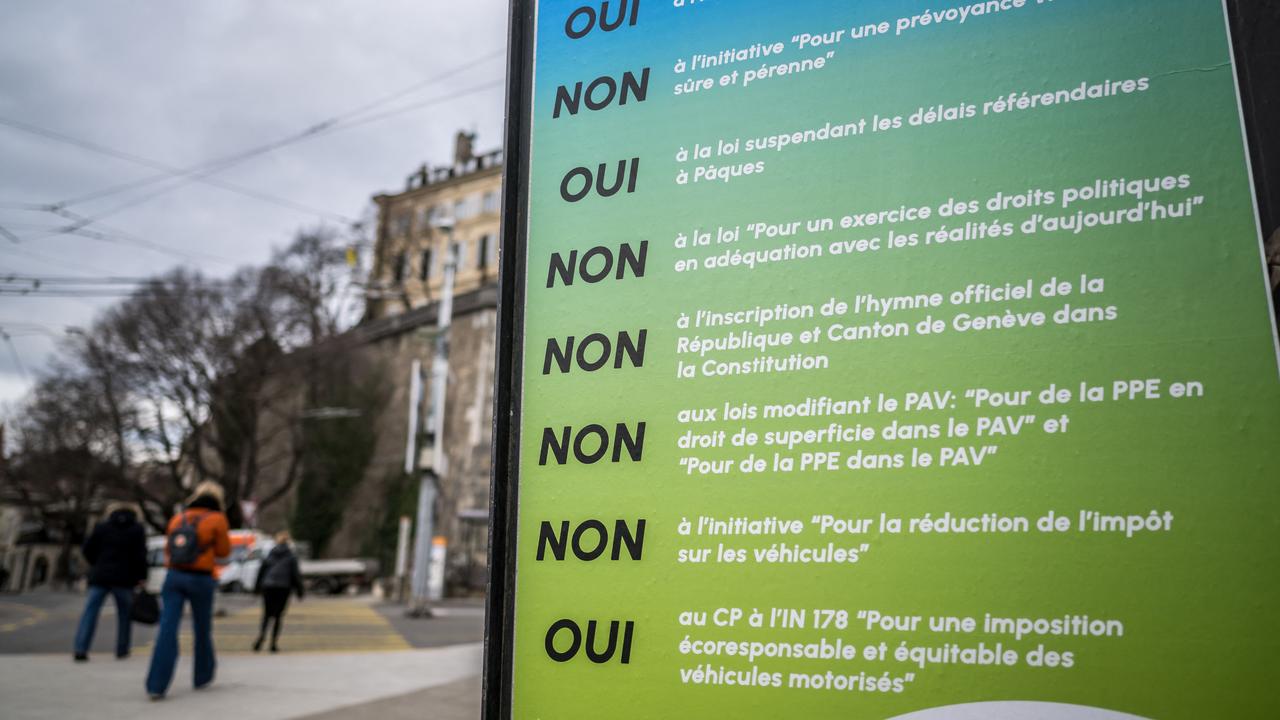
x=403, y=291
x=412, y=248
x=446, y=211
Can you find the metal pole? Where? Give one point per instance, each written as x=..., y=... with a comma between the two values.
x=418, y=601
x=440, y=364
x=427, y=491
x=402, y=556
x=415, y=401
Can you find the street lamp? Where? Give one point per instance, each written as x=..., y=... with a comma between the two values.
x=426, y=585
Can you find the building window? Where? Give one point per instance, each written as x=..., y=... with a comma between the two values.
x=397, y=269
x=459, y=253
x=463, y=208
x=424, y=270
x=400, y=223
x=490, y=202
x=482, y=257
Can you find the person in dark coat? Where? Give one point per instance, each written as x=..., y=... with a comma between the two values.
x=117, y=555
x=278, y=576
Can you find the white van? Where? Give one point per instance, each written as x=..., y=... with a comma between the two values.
x=235, y=574
x=240, y=571
x=155, y=563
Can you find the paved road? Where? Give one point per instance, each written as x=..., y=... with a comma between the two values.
x=316, y=625
x=45, y=622
x=388, y=684
x=18, y=616
x=343, y=657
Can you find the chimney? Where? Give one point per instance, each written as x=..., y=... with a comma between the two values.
x=463, y=149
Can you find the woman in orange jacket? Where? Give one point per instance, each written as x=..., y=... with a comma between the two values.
x=197, y=538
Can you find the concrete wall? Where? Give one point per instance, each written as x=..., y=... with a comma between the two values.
x=388, y=348
x=406, y=231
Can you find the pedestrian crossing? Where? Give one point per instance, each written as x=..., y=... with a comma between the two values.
x=340, y=625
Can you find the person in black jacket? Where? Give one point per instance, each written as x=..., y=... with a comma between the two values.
x=278, y=576
x=117, y=554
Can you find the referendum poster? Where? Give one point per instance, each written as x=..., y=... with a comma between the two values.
x=893, y=360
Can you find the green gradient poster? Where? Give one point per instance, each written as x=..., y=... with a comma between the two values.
x=893, y=360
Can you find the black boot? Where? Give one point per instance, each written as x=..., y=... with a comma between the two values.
x=275, y=635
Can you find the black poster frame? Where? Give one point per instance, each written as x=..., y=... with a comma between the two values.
x=1254, y=29
x=503, y=491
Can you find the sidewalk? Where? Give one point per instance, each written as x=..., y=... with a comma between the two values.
x=440, y=683
x=455, y=701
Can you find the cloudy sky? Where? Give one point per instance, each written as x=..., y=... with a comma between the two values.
x=179, y=84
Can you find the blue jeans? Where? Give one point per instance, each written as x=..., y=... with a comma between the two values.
x=180, y=587
x=89, y=618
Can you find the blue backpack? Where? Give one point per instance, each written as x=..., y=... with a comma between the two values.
x=184, y=542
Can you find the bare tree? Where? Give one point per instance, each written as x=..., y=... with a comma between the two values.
x=62, y=468
x=194, y=378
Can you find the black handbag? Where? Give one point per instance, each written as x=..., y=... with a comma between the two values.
x=146, y=607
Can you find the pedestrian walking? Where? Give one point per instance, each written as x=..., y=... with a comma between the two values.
x=197, y=537
x=117, y=555
x=277, y=578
